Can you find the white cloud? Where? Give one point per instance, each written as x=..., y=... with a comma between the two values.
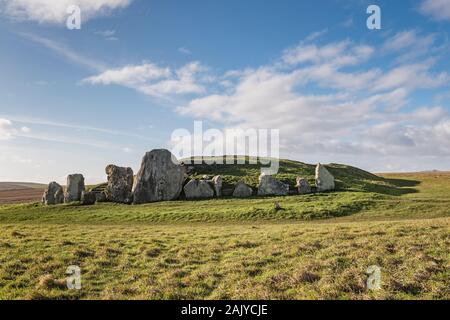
x=153, y=80
x=315, y=35
x=407, y=39
x=107, y=34
x=411, y=76
x=358, y=117
x=184, y=50
x=337, y=54
x=130, y=75
x=54, y=11
x=409, y=45
x=437, y=9
x=6, y=129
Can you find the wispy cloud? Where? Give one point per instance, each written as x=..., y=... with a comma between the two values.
x=316, y=35
x=64, y=51
x=51, y=123
x=184, y=50
x=153, y=80
x=107, y=34
x=55, y=11
x=437, y=9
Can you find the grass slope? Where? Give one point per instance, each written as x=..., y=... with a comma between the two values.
x=230, y=248
x=347, y=178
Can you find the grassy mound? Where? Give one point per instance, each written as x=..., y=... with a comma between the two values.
x=348, y=178
x=357, y=191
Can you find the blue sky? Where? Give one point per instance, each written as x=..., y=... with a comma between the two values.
x=77, y=100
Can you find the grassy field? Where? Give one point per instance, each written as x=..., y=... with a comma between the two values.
x=315, y=247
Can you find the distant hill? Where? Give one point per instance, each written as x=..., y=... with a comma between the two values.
x=20, y=185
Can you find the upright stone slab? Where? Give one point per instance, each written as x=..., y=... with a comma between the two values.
x=303, y=186
x=87, y=198
x=269, y=186
x=120, y=184
x=217, y=182
x=54, y=194
x=242, y=190
x=74, y=187
x=198, y=189
x=160, y=178
x=324, y=179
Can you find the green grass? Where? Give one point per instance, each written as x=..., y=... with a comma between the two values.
x=315, y=247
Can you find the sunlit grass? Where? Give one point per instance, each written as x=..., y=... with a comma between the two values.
x=314, y=247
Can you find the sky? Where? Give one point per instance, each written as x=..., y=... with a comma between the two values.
x=74, y=101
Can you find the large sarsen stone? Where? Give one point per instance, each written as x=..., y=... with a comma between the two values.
x=269, y=186
x=198, y=189
x=120, y=184
x=54, y=194
x=242, y=190
x=303, y=186
x=74, y=187
x=324, y=179
x=217, y=181
x=159, y=178
x=87, y=198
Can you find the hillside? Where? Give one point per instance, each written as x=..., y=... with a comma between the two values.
x=20, y=185
x=348, y=178
x=20, y=192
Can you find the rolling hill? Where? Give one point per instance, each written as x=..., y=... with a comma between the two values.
x=5, y=186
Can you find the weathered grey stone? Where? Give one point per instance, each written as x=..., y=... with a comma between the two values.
x=54, y=194
x=87, y=198
x=269, y=186
x=160, y=178
x=101, y=196
x=303, y=186
x=324, y=179
x=242, y=190
x=120, y=184
x=217, y=181
x=74, y=187
x=198, y=189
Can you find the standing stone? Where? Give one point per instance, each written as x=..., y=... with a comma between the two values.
x=120, y=184
x=54, y=194
x=242, y=190
x=324, y=179
x=198, y=189
x=303, y=186
x=269, y=186
x=87, y=198
x=160, y=178
x=101, y=196
x=217, y=181
x=74, y=187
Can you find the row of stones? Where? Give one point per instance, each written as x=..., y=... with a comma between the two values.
x=119, y=189
x=268, y=186
x=161, y=177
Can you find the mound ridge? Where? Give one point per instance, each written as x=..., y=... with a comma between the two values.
x=347, y=178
